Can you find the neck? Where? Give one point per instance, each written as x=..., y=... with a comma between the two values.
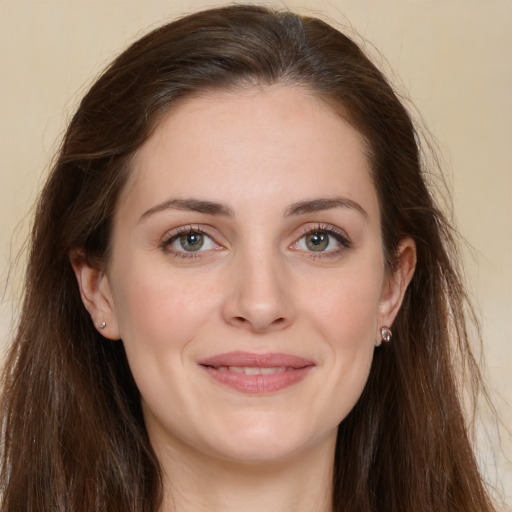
x=195, y=483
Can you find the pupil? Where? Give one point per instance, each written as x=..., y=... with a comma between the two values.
x=317, y=241
x=192, y=241
x=317, y=238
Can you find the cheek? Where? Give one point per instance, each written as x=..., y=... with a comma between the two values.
x=159, y=316
x=159, y=312
x=344, y=310
x=349, y=324
x=345, y=306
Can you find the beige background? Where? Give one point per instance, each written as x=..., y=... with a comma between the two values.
x=453, y=57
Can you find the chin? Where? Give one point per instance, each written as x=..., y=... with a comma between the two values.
x=266, y=441
x=254, y=453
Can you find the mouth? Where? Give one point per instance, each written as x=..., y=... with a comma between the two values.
x=257, y=373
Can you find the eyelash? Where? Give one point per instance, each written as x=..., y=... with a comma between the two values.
x=329, y=230
x=182, y=231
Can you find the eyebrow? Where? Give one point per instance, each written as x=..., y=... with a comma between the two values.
x=190, y=205
x=213, y=208
x=316, y=205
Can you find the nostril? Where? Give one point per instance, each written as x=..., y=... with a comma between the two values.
x=241, y=321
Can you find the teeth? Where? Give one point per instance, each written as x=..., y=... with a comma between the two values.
x=236, y=369
x=252, y=370
x=268, y=371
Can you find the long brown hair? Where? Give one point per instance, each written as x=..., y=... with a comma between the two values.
x=73, y=435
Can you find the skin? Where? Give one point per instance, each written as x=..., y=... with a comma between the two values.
x=257, y=285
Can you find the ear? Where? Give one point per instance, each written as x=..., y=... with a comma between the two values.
x=395, y=284
x=95, y=293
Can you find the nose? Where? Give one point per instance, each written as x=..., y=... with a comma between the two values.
x=258, y=297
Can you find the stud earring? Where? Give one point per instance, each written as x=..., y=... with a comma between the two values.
x=386, y=334
x=103, y=325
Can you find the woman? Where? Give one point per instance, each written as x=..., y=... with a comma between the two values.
x=240, y=293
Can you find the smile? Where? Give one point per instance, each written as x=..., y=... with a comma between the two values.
x=257, y=373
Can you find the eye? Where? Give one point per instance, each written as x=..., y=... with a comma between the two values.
x=189, y=240
x=322, y=240
x=317, y=241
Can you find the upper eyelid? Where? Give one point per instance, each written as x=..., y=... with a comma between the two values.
x=328, y=228
x=190, y=228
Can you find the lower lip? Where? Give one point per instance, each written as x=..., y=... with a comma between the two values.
x=258, y=384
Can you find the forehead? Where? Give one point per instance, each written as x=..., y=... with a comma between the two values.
x=277, y=141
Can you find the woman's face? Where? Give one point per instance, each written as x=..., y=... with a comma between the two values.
x=247, y=277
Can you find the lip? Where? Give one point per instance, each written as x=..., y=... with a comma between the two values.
x=228, y=369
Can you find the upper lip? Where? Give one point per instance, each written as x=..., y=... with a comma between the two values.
x=249, y=359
